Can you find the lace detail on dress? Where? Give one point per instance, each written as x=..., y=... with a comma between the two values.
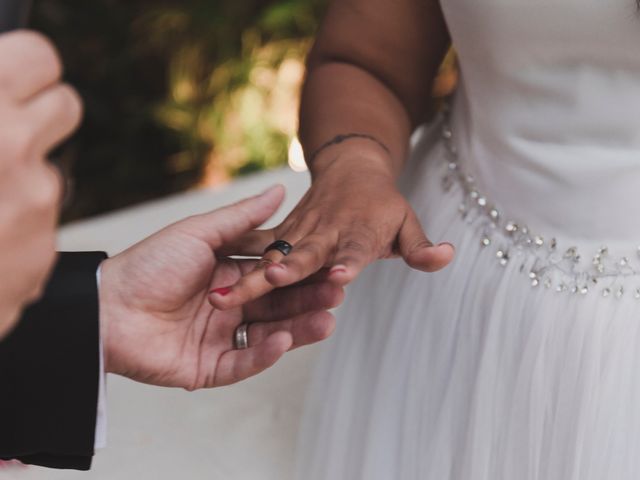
x=553, y=266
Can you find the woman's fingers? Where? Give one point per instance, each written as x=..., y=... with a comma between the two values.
x=247, y=265
x=236, y=365
x=355, y=251
x=347, y=252
x=253, y=284
x=307, y=257
x=418, y=251
x=304, y=329
x=352, y=254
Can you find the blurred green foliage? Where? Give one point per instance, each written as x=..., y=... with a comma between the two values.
x=174, y=89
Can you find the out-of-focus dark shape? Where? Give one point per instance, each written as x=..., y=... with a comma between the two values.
x=13, y=14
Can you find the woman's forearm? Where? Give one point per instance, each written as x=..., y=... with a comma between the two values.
x=368, y=85
x=370, y=74
x=342, y=99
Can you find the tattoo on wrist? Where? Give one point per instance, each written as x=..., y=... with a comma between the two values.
x=342, y=138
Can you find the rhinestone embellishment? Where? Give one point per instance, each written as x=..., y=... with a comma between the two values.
x=556, y=268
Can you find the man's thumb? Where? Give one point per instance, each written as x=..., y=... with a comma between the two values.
x=228, y=223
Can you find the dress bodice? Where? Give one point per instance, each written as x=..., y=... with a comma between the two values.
x=547, y=114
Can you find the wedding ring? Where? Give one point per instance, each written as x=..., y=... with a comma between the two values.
x=241, y=337
x=282, y=246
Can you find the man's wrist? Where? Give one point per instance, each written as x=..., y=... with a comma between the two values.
x=106, y=302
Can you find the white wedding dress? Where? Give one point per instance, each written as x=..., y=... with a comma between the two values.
x=521, y=359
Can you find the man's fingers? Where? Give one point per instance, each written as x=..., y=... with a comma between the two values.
x=418, y=251
x=268, y=341
x=226, y=224
x=294, y=301
x=236, y=365
x=56, y=113
x=304, y=329
x=30, y=52
x=307, y=257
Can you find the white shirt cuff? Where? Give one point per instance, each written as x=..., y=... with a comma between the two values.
x=101, y=417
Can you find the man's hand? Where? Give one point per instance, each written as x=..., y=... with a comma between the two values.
x=158, y=327
x=36, y=113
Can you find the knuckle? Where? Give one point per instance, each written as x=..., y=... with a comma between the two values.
x=362, y=239
x=347, y=259
x=297, y=266
x=285, y=226
x=313, y=253
x=353, y=245
x=311, y=219
x=314, y=215
x=419, y=244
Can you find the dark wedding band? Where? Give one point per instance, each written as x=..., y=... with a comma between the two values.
x=241, y=337
x=282, y=246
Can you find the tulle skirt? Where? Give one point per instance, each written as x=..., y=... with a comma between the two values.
x=471, y=373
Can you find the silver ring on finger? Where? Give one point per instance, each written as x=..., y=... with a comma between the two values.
x=241, y=337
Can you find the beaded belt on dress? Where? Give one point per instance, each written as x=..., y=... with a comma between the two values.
x=554, y=267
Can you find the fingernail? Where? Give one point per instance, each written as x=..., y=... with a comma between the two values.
x=338, y=269
x=446, y=243
x=279, y=266
x=224, y=291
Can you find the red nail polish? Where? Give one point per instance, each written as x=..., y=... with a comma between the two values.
x=222, y=291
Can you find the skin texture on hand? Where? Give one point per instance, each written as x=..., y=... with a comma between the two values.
x=158, y=327
x=343, y=223
x=36, y=113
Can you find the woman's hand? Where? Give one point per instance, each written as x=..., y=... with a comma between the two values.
x=350, y=217
x=369, y=72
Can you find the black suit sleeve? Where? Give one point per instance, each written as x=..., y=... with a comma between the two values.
x=49, y=371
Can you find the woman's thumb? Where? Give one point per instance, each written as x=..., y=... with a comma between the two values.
x=418, y=251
